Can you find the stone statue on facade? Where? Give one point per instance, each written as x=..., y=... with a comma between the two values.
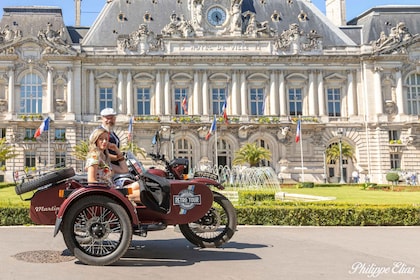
x=196, y=9
x=236, y=16
x=257, y=29
x=54, y=40
x=141, y=41
x=178, y=27
x=398, y=34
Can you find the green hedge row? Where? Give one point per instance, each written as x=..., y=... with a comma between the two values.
x=291, y=215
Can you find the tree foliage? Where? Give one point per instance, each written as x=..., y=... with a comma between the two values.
x=252, y=154
x=333, y=152
x=7, y=151
x=80, y=150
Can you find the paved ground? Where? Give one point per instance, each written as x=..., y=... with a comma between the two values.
x=253, y=253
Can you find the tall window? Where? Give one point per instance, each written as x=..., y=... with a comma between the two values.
x=334, y=102
x=295, y=101
x=30, y=159
x=257, y=97
x=105, y=98
x=395, y=160
x=413, y=94
x=218, y=99
x=143, y=101
x=393, y=135
x=60, y=159
x=60, y=134
x=180, y=94
x=29, y=133
x=2, y=132
x=31, y=94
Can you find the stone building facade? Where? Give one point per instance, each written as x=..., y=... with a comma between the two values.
x=174, y=66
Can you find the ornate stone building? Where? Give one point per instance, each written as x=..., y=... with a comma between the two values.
x=173, y=65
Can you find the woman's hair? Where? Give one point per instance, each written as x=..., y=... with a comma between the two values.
x=93, y=138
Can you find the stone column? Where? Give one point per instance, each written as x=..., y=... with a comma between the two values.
x=350, y=95
x=311, y=95
x=273, y=94
x=11, y=96
x=235, y=96
x=120, y=94
x=196, y=95
x=244, y=95
x=282, y=95
x=92, y=94
x=167, y=95
x=158, y=95
x=321, y=94
x=377, y=91
x=70, y=93
x=399, y=92
x=130, y=97
x=205, y=91
x=49, y=99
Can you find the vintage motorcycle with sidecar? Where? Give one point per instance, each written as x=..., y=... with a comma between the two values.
x=98, y=221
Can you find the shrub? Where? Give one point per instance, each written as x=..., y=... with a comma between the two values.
x=392, y=177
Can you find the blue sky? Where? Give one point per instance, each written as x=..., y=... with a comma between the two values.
x=91, y=8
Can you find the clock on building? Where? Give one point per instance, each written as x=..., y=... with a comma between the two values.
x=216, y=16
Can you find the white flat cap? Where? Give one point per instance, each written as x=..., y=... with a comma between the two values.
x=108, y=112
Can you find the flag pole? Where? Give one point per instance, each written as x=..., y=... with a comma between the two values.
x=215, y=147
x=49, y=147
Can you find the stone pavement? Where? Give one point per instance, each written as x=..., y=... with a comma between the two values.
x=255, y=252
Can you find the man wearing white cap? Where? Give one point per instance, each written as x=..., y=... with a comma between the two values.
x=109, y=117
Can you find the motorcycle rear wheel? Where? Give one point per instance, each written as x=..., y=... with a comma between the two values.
x=215, y=228
x=97, y=230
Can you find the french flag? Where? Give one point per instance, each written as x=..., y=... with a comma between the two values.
x=45, y=125
x=298, y=132
x=212, y=129
x=130, y=129
x=185, y=105
x=224, y=110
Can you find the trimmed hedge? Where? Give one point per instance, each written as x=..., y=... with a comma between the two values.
x=291, y=215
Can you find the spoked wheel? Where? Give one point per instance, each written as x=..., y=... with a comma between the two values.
x=97, y=230
x=216, y=227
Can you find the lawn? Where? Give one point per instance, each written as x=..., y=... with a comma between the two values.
x=355, y=194
x=344, y=194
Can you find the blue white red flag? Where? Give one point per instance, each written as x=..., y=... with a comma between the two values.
x=224, y=110
x=298, y=132
x=185, y=105
x=45, y=125
x=212, y=129
x=130, y=129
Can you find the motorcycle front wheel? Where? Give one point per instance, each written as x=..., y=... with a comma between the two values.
x=215, y=228
x=97, y=230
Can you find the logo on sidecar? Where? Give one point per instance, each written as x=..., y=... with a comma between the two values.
x=187, y=200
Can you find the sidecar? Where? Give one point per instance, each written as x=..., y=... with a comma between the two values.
x=97, y=221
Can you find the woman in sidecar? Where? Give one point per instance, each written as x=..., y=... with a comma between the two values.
x=98, y=164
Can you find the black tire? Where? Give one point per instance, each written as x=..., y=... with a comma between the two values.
x=215, y=228
x=97, y=230
x=48, y=178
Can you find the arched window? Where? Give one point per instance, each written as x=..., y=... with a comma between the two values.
x=264, y=144
x=31, y=94
x=413, y=94
x=224, y=153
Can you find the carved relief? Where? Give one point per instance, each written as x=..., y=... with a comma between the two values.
x=142, y=41
x=398, y=35
x=178, y=27
x=294, y=39
x=54, y=40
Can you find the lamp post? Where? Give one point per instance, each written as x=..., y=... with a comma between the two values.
x=325, y=164
x=340, y=136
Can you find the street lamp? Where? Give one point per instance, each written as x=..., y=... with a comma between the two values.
x=325, y=164
x=340, y=136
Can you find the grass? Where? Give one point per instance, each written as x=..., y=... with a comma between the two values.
x=8, y=197
x=343, y=194
x=357, y=195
